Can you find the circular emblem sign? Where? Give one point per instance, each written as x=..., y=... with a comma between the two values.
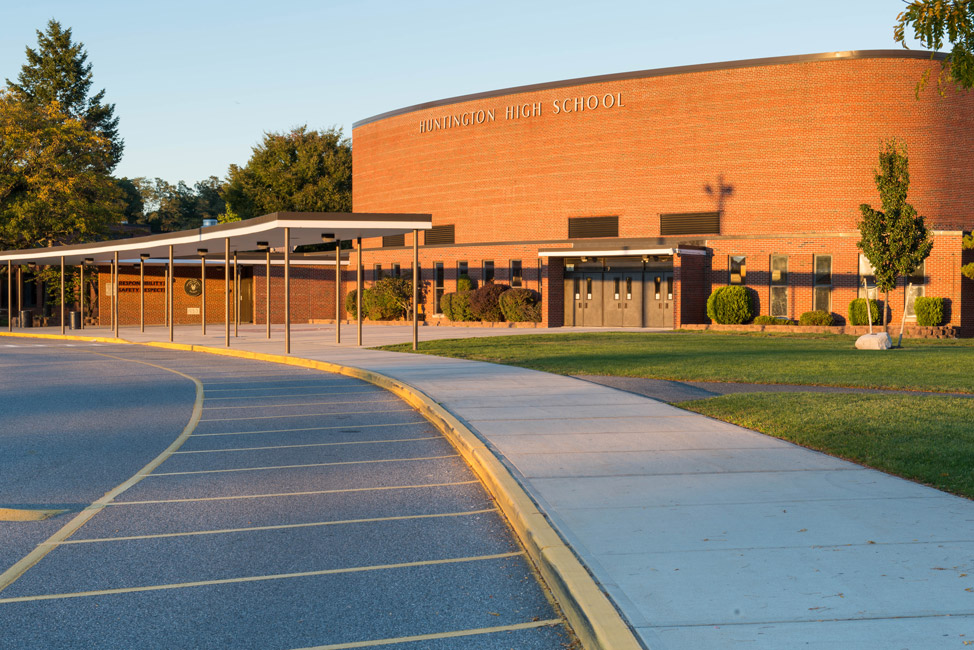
x=193, y=287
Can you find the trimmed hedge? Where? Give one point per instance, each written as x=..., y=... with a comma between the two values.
x=772, y=320
x=857, y=312
x=351, y=299
x=732, y=305
x=485, y=302
x=819, y=317
x=929, y=311
x=456, y=306
x=464, y=283
x=388, y=299
x=521, y=305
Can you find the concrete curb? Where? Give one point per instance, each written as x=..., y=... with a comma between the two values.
x=593, y=618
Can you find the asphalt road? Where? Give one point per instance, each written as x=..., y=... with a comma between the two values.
x=303, y=510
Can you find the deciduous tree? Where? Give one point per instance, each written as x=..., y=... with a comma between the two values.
x=298, y=171
x=936, y=23
x=894, y=239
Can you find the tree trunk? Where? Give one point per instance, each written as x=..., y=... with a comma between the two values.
x=906, y=298
x=885, y=302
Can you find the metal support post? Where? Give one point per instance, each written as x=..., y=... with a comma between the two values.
x=287, y=291
x=170, y=290
x=267, y=295
x=236, y=296
x=358, y=287
x=202, y=253
x=115, y=309
x=62, y=295
x=415, y=289
x=10, y=296
x=338, y=291
x=81, y=291
x=226, y=291
x=142, y=293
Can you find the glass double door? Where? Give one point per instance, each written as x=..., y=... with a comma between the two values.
x=619, y=299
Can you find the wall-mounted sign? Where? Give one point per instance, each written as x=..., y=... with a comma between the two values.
x=564, y=106
x=193, y=287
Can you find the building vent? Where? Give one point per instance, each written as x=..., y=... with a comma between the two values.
x=691, y=223
x=586, y=227
x=390, y=241
x=440, y=235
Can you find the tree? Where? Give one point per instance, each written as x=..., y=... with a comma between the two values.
x=968, y=269
x=170, y=207
x=58, y=72
x=53, y=186
x=894, y=239
x=936, y=22
x=298, y=171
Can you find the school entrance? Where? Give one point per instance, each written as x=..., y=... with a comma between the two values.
x=619, y=292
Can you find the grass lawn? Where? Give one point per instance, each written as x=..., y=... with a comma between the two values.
x=922, y=364
x=924, y=438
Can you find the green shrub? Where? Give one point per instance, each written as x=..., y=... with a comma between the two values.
x=485, y=302
x=771, y=320
x=350, y=302
x=857, y=312
x=521, y=305
x=929, y=311
x=446, y=305
x=464, y=283
x=461, y=306
x=389, y=298
x=730, y=305
x=819, y=317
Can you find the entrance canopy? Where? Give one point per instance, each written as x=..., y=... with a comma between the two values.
x=248, y=235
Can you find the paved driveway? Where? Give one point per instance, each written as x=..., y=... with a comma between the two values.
x=303, y=510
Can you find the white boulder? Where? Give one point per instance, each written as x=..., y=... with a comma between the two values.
x=878, y=341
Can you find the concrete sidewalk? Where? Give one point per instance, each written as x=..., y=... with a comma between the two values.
x=705, y=535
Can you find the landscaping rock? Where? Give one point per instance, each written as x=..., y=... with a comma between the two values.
x=878, y=341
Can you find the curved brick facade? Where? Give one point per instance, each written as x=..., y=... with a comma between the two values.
x=785, y=150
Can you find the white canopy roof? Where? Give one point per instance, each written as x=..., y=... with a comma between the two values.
x=305, y=228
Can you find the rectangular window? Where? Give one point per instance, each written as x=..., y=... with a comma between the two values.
x=539, y=275
x=391, y=241
x=488, y=271
x=586, y=227
x=738, y=269
x=462, y=270
x=576, y=286
x=377, y=272
x=917, y=280
x=439, y=235
x=867, y=279
x=516, y=278
x=628, y=288
x=438, y=277
x=779, y=286
x=615, y=288
x=396, y=271
x=823, y=283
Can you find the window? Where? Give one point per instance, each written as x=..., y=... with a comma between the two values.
x=916, y=281
x=588, y=288
x=539, y=275
x=738, y=269
x=462, y=270
x=438, y=235
x=583, y=227
x=779, y=286
x=437, y=286
x=823, y=283
x=576, y=282
x=390, y=241
x=868, y=274
x=615, y=288
x=377, y=272
x=488, y=271
x=396, y=271
x=628, y=288
x=516, y=273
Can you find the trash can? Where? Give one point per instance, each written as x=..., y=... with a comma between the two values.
x=74, y=320
x=26, y=318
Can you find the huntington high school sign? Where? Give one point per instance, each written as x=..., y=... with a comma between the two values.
x=564, y=106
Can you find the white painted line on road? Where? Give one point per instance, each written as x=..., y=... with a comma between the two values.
x=347, y=462
x=249, y=529
x=313, y=444
x=329, y=393
x=343, y=387
x=294, y=494
x=305, y=415
x=277, y=576
x=437, y=635
x=268, y=406
x=343, y=426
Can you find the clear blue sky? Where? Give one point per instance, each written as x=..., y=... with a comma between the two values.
x=196, y=84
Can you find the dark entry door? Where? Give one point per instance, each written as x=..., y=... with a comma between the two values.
x=245, y=301
x=658, y=299
x=588, y=308
x=613, y=303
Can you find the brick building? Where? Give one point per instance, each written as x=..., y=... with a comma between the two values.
x=625, y=199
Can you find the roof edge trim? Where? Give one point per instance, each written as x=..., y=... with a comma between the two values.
x=661, y=72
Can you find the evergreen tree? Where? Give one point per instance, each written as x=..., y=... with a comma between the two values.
x=58, y=71
x=894, y=239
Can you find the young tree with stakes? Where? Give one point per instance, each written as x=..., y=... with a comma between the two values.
x=894, y=239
